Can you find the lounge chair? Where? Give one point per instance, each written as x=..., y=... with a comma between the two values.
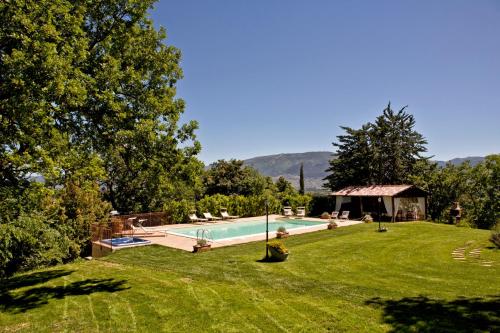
x=335, y=215
x=210, y=217
x=345, y=215
x=301, y=212
x=145, y=230
x=194, y=218
x=287, y=211
x=226, y=216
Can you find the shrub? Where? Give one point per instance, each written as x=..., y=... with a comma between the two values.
x=278, y=246
x=178, y=211
x=80, y=205
x=296, y=200
x=321, y=203
x=495, y=238
x=281, y=229
x=30, y=242
x=325, y=216
x=367, y=218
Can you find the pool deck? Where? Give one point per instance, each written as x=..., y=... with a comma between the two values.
x=186, y=244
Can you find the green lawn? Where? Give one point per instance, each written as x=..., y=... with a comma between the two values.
x=350, y=279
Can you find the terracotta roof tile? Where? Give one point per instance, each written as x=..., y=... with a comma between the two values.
x=373, y=190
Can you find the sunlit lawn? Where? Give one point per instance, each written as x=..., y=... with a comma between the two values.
x=349, y=279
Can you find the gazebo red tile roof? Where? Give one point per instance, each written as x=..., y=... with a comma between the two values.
x=373, y=190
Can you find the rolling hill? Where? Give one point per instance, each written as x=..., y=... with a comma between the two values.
x=315, y=164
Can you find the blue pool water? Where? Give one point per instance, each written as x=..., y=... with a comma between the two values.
x=241, y=229
x=126, y=241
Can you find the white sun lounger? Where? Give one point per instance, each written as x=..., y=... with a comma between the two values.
x=210, y=217
x=226, y=216
x=194, y=218
x=145, y=230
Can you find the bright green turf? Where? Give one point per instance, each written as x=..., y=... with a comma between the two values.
x=350, y=279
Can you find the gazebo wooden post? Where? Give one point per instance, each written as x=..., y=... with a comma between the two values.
x=425, y=208
x=393, y=212
x=361, y=205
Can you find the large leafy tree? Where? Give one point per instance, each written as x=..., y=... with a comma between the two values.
x=87, y=100
x=232, y=177
x=90, y=85
x=477, y=189
x=383, y=152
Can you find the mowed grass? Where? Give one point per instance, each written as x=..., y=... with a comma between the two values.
x=352, y=279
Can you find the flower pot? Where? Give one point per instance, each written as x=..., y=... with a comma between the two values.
x=280, y=234
x=278, y=256
x=332, y=226
x=201, y=248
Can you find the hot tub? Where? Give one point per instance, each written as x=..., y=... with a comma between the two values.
x=125, y=241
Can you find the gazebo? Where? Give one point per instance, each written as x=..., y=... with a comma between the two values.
x=400, y=202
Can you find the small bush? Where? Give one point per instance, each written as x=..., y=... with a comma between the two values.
x=495, y=238
x=30, y=242
x=281, y=229
x=278, y=246
x=325, y=216
x=367, y=218
x=178, y=211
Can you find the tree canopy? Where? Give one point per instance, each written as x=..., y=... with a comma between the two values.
x=383, y=152
x=87, y=89
x=87, y=105
x=232, y=177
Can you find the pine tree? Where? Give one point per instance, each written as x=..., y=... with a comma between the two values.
x=384, y=152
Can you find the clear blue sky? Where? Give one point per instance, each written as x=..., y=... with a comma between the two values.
x=267, y=76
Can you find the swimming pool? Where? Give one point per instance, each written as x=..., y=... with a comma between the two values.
x=126, y=241
x=243, y=229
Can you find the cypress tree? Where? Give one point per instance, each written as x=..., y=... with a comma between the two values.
x=301, y=180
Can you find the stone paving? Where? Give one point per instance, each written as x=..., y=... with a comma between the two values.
x=473, y=256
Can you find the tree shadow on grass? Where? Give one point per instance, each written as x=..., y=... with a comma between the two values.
x=422, y=314
x=26, y=280
x=22, y=301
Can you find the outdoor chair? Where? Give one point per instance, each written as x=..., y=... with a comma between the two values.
x=287, y=211
x=301, y=212
x=335, y=215
x=145, y=230
x=194, y=218
x=209, y=216
x=345, y=215
x=226, y=216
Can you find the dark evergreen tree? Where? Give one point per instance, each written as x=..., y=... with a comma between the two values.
x=384, y=152
x=352, y=163
x=396, y=146
x=301, y=179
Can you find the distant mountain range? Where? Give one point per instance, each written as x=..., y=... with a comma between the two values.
x=288, y=166
x=315, y=164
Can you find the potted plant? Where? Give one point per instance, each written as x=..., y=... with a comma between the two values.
x=278, y=251
x=201, y=246
x=281, y=232
x=332, y=225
